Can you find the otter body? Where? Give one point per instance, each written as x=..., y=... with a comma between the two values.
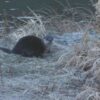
x=28, y=46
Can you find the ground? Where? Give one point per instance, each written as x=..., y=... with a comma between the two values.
x=48, y=78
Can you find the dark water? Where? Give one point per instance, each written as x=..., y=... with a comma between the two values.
x=17, y=7
x=10, y=10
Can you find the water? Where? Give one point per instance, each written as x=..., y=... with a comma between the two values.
x=18, y=7
x=15, y=10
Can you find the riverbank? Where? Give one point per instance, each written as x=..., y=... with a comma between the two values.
x=69, y=72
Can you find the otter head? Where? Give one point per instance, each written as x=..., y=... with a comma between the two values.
x=48, y=42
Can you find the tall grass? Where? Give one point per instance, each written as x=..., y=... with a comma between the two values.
x=70, y=20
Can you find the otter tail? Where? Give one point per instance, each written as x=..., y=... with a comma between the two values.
x=5, y=50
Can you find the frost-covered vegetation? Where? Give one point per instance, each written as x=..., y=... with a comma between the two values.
x=71, y=71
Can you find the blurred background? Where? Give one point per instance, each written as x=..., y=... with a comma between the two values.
x=19, y=7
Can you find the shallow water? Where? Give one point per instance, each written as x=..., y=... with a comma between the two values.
x=19, y=7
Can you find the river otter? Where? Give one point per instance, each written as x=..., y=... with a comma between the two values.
x=28, y=46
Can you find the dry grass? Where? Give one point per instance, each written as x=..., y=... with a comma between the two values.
x=84, y=56
x=62, y=24
x=57, y=23
x=34, y=25
x=88, y=94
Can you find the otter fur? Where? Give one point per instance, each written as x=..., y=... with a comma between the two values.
x=28, y=46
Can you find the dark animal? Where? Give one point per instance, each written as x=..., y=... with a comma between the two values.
x=28, y=46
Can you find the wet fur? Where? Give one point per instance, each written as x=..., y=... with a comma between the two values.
x=28, y=46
